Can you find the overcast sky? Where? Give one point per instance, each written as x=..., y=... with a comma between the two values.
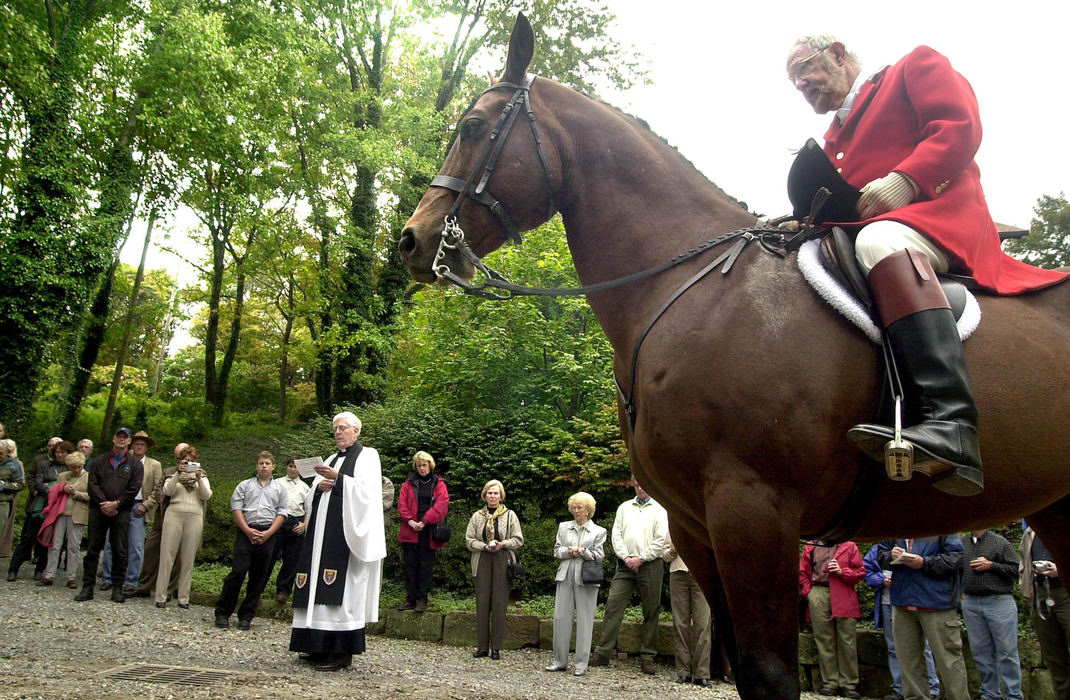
x=720, y=94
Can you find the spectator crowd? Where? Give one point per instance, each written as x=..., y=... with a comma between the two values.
x=140, y=524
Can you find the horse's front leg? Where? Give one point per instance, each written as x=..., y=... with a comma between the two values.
x=755, y=535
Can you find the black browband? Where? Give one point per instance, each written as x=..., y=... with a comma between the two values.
x=488, y=159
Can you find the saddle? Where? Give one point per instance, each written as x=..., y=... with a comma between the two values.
x=837, y=254
x=818, y=194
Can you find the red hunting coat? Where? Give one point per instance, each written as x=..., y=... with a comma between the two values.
x=920, y=117
x=841, y=588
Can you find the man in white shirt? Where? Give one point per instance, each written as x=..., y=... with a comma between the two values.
x=638, y=540
x=292, y=531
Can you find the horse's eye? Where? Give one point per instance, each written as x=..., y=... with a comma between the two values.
x=471, y=128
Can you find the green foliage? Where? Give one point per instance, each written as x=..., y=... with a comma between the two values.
x=1048, y=242
x=540, y=354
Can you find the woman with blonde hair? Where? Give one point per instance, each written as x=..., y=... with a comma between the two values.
x=578, y=540
x=188, y=490
x=493, y=535
x=423, y=501
x=71, y=521
x=11, y=477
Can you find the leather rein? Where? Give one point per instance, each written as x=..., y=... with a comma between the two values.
x=495, y=286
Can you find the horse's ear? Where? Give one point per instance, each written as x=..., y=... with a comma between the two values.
x=521, y=49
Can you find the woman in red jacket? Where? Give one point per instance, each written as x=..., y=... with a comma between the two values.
x=423, y=501
x=827, y=578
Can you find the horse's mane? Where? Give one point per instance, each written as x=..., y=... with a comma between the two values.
x=646, y=127
x=630, y=117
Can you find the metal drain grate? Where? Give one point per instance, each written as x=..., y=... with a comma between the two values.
x=153, y=673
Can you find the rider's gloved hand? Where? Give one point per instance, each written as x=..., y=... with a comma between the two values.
x=884, y=194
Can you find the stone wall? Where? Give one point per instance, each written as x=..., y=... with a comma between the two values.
x=459, y=629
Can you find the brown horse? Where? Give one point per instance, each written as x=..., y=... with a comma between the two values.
x=746, y=386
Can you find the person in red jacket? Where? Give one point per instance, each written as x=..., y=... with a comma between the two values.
x=906, y=135
x=828, y=575
x=423, y=501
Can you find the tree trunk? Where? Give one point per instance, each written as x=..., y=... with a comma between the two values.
x=211, y=332
x=289, y=315
x=169, y=322
x=128, y=328
x=235, y=333
x=92, y=338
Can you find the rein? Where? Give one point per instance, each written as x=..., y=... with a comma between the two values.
x=452, y=238
x=774, y=239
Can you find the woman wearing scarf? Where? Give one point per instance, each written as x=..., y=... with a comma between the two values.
x=492, y=536
x=11, y=476
x=423, y=501
x=187, y=491
x=70, y=522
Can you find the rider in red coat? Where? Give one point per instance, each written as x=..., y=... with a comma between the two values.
x=906, y=136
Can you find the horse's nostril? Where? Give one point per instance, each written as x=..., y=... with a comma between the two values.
x=407, y=243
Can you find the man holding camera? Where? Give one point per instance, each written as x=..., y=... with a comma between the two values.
x=1042, y=589
x=989, y=567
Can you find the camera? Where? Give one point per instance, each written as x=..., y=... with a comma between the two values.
x=1042, y=566
x=192, y=466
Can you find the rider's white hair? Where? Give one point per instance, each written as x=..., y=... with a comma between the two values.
x=820, y=42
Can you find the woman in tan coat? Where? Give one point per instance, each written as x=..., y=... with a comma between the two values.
x=188, y=490
x=75, y=517
x=492, y=536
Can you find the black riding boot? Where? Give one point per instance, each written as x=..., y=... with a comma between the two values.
x=940, y=410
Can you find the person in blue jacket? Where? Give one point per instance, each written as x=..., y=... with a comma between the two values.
x=924, y=594
x=880, y=580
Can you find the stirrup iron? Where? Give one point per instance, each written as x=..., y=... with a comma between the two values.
x=898, y=453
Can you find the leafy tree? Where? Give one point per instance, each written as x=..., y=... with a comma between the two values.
x=545, y=354
x=1048, y=242
x=47, y=53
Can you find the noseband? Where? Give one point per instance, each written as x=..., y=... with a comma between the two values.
x=476, y=189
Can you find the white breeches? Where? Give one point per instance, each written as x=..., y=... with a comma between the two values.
x=882, y=238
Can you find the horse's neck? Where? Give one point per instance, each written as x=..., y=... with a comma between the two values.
x=632, y=202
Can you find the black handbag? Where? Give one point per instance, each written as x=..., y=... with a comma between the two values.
x=515, y=570
x=591, y=572
x=440, y=531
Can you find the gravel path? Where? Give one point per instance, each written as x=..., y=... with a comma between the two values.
x=56, y=648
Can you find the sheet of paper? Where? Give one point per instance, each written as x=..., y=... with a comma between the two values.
x=306, y=466
x=904, y=558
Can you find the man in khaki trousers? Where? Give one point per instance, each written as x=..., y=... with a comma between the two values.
x=691, y=622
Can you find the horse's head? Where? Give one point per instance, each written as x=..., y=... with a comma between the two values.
x=498, y=179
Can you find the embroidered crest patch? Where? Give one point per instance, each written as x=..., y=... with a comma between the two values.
x=302, y=579
x=330, y=576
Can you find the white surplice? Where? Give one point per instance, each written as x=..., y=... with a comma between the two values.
x=362, y=519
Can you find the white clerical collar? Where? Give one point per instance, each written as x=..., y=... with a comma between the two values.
x=860, y=80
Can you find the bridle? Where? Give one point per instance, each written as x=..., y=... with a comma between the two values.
x=475, y=188
x=521, y=100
